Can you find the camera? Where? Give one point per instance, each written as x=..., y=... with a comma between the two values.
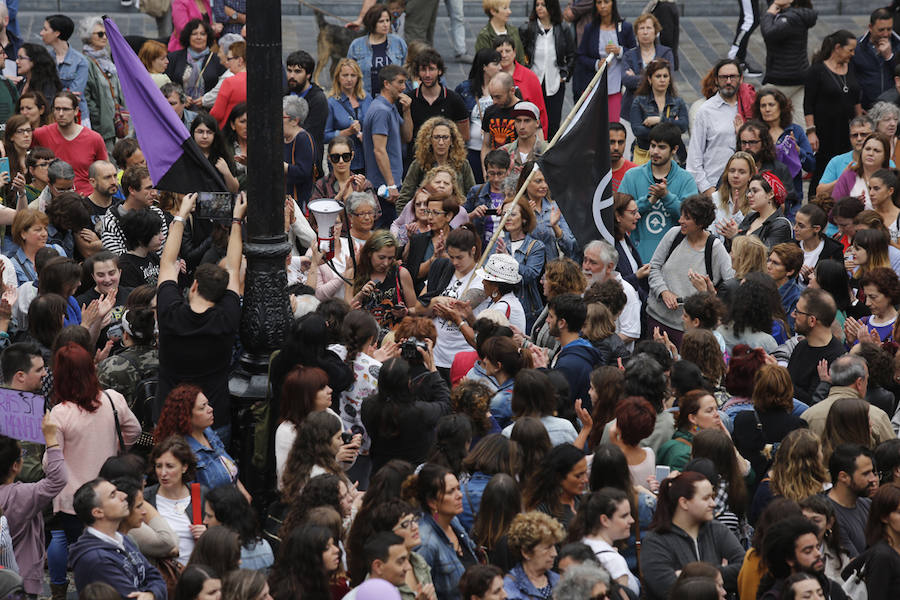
x=346, y=437
x=218, y=206
x=409, y=349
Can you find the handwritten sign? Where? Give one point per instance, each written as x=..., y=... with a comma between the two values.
x=21, y=414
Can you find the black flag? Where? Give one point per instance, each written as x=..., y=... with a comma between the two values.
x=578, y=173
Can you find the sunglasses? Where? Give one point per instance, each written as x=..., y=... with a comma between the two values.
x=100, y=34
x=340, y=156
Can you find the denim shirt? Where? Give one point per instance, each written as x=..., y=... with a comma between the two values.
x=518, y=587
x=531, y=265
x=472, y=489
x=501, y=408
x=361, y=51
x=73, y=73
x=438, y=552
x=210, y=470
x=340, y=116
x=24, y=268
x=544, y=232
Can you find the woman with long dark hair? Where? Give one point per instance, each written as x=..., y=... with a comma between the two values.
x=452, y=436
x=34, y=105
x=549, y=46
x=399, y=425
x=831, y=98
x=732, y=500
x=205, y=131
x=831, y=276
x=314, y=453
x=225, y=505
x=85, y=417
x=475, y=94
x=500, y=503
x=874, y=156
x=491, y=455
x=792, y=147
x=883, y=539
x=198, y=581
x=556, y=487
x=16, y=143
x=607, y=33
x=656, y=101
x=818, y=509
x=38, y=71
x=684, y=526
x=534, y=441
x=308, y=556
x=235, y=132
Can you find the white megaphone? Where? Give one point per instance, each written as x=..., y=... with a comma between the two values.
x=326, y=212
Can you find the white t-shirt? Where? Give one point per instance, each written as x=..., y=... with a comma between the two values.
x=173, y=512
x=811, y=258
x=613, y=562
x=450, y=341
x=285, y=434
x=509, y=306
x=629, y=321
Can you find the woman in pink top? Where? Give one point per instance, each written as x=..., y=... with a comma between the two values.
x=187, y=10
x=87, y=436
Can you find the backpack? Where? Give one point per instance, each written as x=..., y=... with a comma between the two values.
x=707, y=253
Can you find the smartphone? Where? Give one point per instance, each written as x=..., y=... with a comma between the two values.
x=491, y=212
x=4, y=166
x=218, y=206
x=662, y=471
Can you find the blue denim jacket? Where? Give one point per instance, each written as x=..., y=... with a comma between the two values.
x=340, y=115
x=472, y=489
x=676, y=111
x=361, y=51
x=544, y=232
x=531, y=265
x=210, y=470
x=518, y=587
x=73, y=73
x=501, y=408
x=438, y=552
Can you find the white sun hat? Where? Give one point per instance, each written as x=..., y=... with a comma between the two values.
x=500, y=268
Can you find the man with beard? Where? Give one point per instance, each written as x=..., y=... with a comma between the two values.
x=658, y=187
x=813, y=317
x=753, y=137
x=431, y=99
x=498, y=123
x=617, y=162
x=102, y=175
x=299, y=68
x=599, y=265
x=712, y=133
x=855, y=480
x=577, y=357
x=793, y=547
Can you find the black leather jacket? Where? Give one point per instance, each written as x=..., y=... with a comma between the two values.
x=564, y=38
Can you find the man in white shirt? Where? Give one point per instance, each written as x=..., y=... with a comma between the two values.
x=104, y=554
x=599, y=264
x=712, y=132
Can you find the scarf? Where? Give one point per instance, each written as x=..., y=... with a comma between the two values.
x=103, y=58
x=193, y=80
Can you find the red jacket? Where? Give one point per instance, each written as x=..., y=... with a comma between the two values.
x=232, y=93
x=528, y=84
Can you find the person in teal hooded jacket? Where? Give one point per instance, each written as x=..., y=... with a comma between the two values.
x=697, y=410
x=658, y=187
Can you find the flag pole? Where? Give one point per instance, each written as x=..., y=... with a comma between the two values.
x=521, y=190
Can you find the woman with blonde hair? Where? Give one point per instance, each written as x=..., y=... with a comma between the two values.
x=748, y=255
x=731, y=197
x=347, y=106
x=797, y=472
x=600, y=329
x=155, y=57
x=437, y=143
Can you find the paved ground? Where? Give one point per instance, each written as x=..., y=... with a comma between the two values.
x=703, y=40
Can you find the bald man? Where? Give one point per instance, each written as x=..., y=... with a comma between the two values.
x=499, y=124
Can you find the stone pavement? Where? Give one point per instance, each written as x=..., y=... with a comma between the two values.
x=703, y=40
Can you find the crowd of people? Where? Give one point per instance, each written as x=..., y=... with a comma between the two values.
x=470, y=403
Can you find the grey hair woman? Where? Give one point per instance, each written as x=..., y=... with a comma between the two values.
x=582, y=581
x=299, y=151
x=363, y=210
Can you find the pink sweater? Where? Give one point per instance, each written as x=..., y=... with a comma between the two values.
x=182, y=12
x=24, y=504
x=87, y=439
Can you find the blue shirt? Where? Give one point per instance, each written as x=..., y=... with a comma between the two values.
x=73, y=74
x=211, y=462
x=383, y=119
x=838, y=165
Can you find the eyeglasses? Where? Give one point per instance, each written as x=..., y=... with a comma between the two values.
x=800, y=312
x=340, y=157
x=437, y=213
x=441, y=138
x=24, y=130
x=496, y=173
x=100, y=34
x=633, y=212
x=364, y=215
x=230, y=58
x=43, y=163
x=734, y=77
x=409, y=523
x=62, y=109
x=750, y=142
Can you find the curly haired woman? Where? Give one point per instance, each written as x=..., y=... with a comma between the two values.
x=188, y=413
x=437, y=143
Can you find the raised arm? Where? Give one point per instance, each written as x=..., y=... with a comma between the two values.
x=168, y=262
x=236, y=244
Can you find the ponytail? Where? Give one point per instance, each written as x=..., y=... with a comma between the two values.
x=671, y=490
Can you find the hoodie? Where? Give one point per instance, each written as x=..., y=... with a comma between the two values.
x=576, y=360
x=93, y=559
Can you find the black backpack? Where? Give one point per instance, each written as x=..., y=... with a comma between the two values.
x=707, y=253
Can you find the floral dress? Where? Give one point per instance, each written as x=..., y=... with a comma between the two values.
x=365, y=383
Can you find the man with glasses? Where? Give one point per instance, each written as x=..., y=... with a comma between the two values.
x=712, y=136
x=754, y=138
x=37, y=162
x=385, y=131
x=234, y=89
x=488, y=196
x=71, y=142
x=813, y=316
x=60, y=178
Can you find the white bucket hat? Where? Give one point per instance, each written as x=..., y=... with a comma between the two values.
x=500, y=268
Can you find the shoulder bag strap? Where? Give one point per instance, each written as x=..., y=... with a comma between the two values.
x=707, y=256
x=116, y=419
x=106, y=77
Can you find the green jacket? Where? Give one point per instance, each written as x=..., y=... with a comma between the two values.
x=100, y=101
x=676, y=453
x=486, y=37
x=423, y=576
x=122, y=372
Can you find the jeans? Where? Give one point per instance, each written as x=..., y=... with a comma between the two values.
x=457, y=26
x=64, y=530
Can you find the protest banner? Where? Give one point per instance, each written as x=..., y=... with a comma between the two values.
x=21, y=414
